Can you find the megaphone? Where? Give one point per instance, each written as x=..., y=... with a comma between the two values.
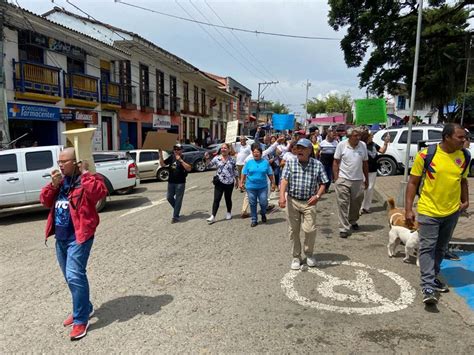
x=81, y=139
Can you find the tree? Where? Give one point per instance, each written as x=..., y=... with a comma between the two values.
x=332, y=102
x=387, y=28
x=278, y=107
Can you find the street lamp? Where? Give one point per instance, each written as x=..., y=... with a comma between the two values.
x=404, y=182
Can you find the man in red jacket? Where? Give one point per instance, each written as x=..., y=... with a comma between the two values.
x=73, y=219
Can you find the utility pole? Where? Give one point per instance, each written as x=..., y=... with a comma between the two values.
x=404, y=182
x=260, y=92
x=465, y=81
x=308, y=84
x=4, y=136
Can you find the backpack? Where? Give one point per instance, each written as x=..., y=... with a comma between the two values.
x=429, y=158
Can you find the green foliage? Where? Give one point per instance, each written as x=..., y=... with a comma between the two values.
x=278, y=107
x=386, y=29
x=333, y=102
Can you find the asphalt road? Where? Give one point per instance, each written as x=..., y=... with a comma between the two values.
x=191, y=287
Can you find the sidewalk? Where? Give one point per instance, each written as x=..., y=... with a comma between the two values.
x=389, y=186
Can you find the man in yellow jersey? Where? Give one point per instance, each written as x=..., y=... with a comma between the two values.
x=443, y=196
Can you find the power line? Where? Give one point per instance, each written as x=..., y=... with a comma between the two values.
x=247, y=49
x=227, y=27
x=215, y=40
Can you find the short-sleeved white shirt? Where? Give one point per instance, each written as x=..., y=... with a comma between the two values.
x=351, y=160
x=289, y=156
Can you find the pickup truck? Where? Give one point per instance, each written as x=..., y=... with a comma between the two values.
x=24, y=172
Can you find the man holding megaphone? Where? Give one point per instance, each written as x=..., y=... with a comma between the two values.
x=71, y=197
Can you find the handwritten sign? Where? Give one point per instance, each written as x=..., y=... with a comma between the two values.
x=370, y=111
x=232, y=131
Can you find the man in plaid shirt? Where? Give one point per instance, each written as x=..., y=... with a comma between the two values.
x=305, y=179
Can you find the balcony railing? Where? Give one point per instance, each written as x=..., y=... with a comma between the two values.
x=175, y=106
x=186, y=106
x=161, y=101
x=196, y=107
x=81, y=87
x=37, y=78
x=110, y=93
x=146, y=99
x=204, y=111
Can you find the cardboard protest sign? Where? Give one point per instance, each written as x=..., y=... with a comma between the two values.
x=370, y=111
x=232, y=131
x=160, y=140
x=281, y=122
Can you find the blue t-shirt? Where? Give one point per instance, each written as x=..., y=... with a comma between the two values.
x=257, y=171
x=62, y=216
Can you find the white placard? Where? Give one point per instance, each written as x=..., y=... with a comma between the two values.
x=160, y=121
x=232, y=131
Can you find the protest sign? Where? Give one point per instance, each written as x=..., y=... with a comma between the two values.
x=160, y=140
x=232, y=131
x=370, y=111
x=281, y=122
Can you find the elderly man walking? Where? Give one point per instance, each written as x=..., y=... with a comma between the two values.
x=305, y=179
x=351, y=175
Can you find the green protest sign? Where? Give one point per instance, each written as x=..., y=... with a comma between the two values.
x=370, y=111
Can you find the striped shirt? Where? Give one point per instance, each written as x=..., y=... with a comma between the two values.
x=303, y=181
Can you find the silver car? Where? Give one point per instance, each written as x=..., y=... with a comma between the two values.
x=148, y=163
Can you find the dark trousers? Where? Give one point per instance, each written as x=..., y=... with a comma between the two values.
x=219, y=190
x=328, y=170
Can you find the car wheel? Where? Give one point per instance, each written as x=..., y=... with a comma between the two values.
x=200, y=165
x=387, y=166
x=99, y=206
x=163, y=174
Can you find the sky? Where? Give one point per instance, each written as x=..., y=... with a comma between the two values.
x=249, y=58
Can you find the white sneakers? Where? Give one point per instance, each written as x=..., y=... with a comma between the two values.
x=212, y=219
x=311, y=261
x=295, y=264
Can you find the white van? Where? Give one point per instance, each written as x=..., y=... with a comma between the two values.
x=25, y=171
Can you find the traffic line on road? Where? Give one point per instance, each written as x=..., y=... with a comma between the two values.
x=362, y=290
x=153, y=204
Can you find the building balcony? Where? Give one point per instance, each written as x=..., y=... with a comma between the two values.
x=36, y=82
x=196, y=106
x=129, y=97
x=146, y=101
x=161, y=104
x=175, y=105
x=185, y=107
x=81, y=90
x=110, y=96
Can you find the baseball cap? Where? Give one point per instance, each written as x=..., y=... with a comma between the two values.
x=305, y=143
x=178, y=146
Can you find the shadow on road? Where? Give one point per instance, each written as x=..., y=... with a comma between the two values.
x=125, y=308
x=114, y=204
x=32, y=214
x=460, y=276
x=195, y=215
x=371, y=227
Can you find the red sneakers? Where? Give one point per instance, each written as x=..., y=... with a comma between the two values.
x=69, y=320
x=78, y=331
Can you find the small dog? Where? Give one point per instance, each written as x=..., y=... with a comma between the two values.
x=396, y=217
x=411, y=240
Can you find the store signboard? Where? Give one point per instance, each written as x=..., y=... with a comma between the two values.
x=160, y=121
x=32, y=112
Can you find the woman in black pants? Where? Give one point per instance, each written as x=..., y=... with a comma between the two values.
x=225, y=180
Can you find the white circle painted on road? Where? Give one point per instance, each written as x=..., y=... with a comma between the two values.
x=363, y=286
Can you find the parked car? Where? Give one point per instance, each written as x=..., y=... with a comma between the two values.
x=148, y=163
x=24, y=172
x=393, y=159
x=195, y=156
x=215, y=147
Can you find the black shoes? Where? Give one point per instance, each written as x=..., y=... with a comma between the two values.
x=440, y=287
x=264, y=219
x=254, y=224
x=355, y=227
x=430, y=297
x=343, y=234
x=449, y=255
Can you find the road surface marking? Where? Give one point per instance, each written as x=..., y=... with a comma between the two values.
x=362, y=290
x=153, y=204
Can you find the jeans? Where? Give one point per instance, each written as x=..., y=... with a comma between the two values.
x=435, y=234
x=260, y=195
x=276, y=174
x=72, y=258
x=328, y=170
x=175, y=197
x=219, y=190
